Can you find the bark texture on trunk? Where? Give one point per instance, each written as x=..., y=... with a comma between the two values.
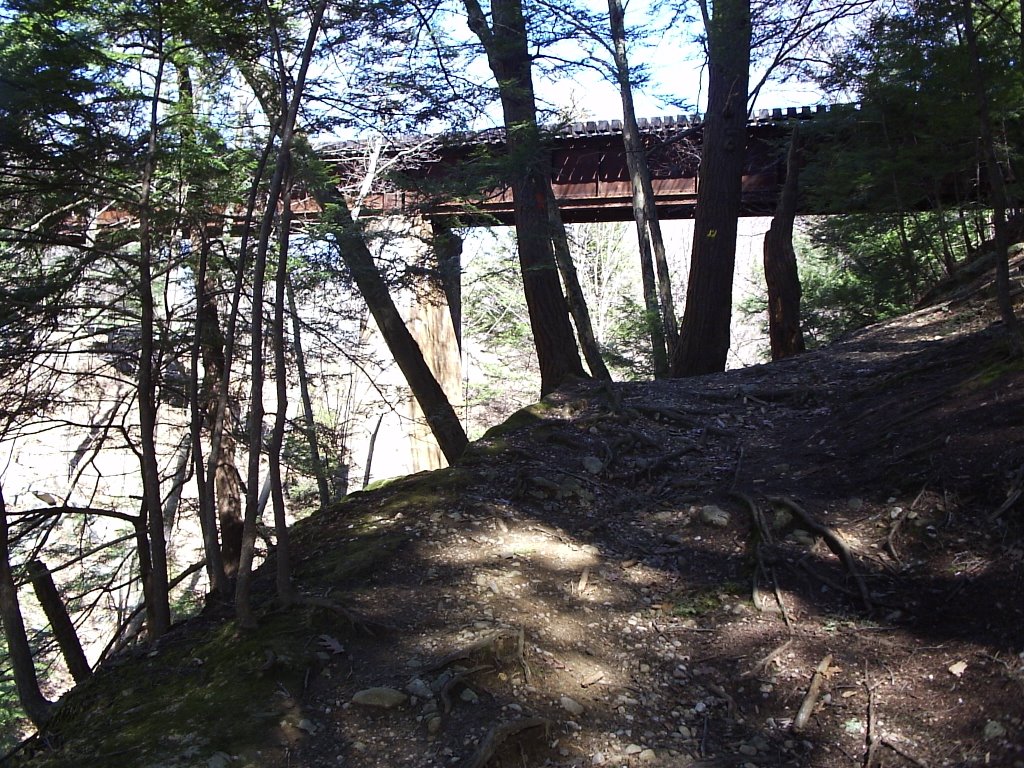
x=226, y=479
x=32, y=700
x=704, y=337
x=507, y=48
x=657, y=292
x=60, y=622
x=780, y=270
x=574, y=292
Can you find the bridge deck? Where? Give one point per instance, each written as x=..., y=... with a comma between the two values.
x=589, y=176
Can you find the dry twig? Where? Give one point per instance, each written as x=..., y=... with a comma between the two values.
x=807, y=706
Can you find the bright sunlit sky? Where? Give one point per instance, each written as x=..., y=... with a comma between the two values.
x=674, y=64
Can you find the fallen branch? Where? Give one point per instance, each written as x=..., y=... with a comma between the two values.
x=871, y=737
x=357, y=621
x=762, y=665
x=652, y=465
x=902, y=751
x=1015, y=492
x=890, y=540
x=807, y=707
x=499, y=734
x=497, y=645
x=834, y=542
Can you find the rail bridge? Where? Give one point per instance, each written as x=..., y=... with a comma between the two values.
x=589, y=174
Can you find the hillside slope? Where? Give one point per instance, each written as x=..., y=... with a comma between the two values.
x=642, y=575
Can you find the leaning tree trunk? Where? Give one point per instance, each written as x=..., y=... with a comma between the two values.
x=780, y=271
x=32, y=700
x=60, y=622
x=704, y=338
x=509, y=58
x=574, y=292
x=440, y=415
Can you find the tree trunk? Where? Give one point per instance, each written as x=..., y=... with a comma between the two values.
x=319, y=470
x=665, y=338
x=32, y=700
x=780, y=271
x=574, y=293
x=508, y=54
x=282, y=556
x=997, y=188
x=60, y=622
x=441, y=417
x=158, y=609
x=704, y=338
x=290, y=111
x=227, y=489
x=202, y=411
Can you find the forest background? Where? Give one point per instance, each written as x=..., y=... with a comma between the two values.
x=162, y=301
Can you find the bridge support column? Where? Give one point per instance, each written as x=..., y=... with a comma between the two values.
x=434, y=317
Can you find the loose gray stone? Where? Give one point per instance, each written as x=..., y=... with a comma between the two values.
x=417, y=687
x=592, y=464
x=648, y=756
x=634, y=749
x=994, y=730
x=716, y=516
x=571, y=706
x=385, y=698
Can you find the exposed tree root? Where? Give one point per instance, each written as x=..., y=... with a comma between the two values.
x=499, y=734
x=652, y=465
x=834, y=542
x=502, y=647
x=459, y=678
x=359, y=622
x=763, y=564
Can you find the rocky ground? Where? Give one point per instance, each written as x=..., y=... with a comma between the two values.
x=812, y=563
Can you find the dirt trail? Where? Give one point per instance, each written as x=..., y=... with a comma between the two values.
x=591, y=587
